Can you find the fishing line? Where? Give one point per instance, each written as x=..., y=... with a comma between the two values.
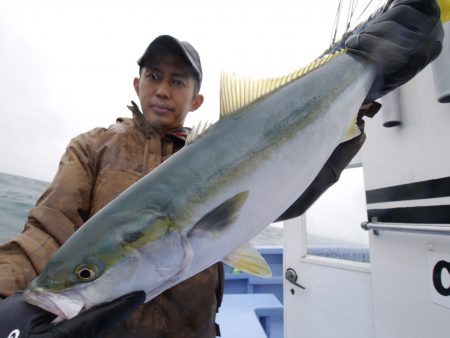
x=352, y=13
x=364, y=10
x=336, y=23
x=349, y=15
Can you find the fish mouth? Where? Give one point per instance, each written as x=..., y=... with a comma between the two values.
x=65, y=305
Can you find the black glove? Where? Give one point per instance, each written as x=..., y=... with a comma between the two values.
x=19, y=319
x=401, y=41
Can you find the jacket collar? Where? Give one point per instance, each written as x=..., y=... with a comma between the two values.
x=147, y=129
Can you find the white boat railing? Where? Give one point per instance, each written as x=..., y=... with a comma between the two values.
x=435, y=229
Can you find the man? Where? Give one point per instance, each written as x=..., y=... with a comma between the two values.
x=100, y=164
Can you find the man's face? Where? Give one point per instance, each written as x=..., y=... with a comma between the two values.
x=166, y=92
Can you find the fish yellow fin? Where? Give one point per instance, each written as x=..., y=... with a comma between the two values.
x=352, y=132
x=445, y=10
x=237, y=92
x=249, y=260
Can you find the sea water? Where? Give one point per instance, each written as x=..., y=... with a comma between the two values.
x=17, y=196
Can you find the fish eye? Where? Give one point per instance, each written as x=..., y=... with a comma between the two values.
x=86, y=272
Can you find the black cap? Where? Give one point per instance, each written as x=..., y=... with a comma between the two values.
x=172, y=43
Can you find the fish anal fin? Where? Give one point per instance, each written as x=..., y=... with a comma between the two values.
x=249, y=260
x=221, y=216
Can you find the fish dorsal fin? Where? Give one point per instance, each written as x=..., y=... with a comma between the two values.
x=220, y=217
x=249, y=260
x=237, y=92
x=198, y=131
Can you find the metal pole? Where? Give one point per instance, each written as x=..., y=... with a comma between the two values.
x=435, y=229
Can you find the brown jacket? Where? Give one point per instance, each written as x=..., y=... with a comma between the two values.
x=95, y=168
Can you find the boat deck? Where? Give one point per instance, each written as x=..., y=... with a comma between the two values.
x=251, y=315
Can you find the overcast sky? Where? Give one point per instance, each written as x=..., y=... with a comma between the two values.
x=67, y=67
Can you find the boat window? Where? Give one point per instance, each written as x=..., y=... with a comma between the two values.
x=333, y=223
x=270, y=236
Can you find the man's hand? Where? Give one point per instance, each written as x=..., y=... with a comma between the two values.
x=19, y=319
x=401, y=41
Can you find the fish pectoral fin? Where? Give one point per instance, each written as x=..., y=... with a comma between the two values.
x=249, y=260
x=221, y=216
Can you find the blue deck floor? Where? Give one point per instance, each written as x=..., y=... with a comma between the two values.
x=253, y=306
x=251, y=315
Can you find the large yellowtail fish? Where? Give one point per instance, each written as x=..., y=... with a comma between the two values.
x=208, y=200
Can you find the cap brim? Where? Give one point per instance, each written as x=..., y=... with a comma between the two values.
x=172, y=43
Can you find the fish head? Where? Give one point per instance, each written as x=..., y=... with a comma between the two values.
x=91, y=270
x=65, y=288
